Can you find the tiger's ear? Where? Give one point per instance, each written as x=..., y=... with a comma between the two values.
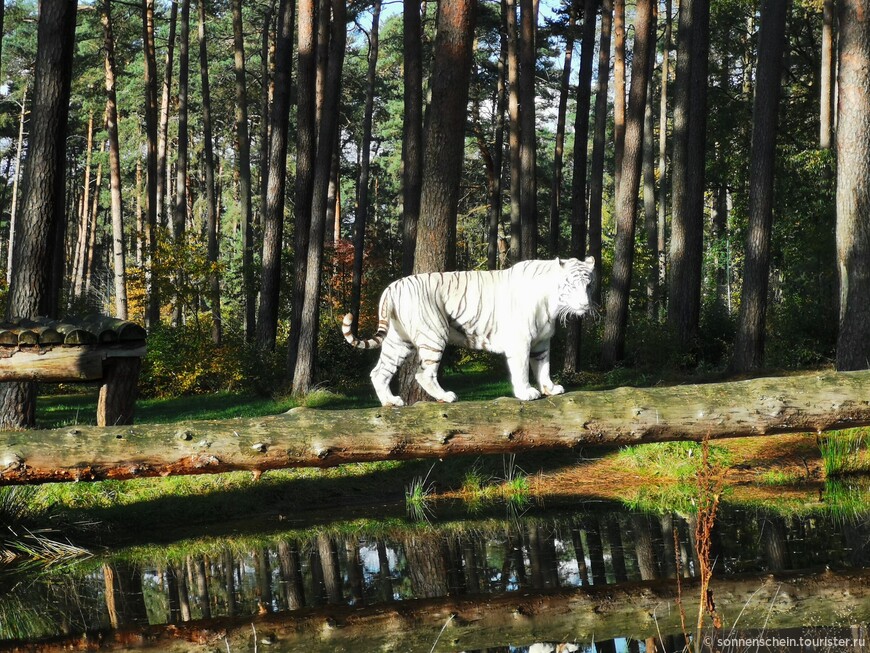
x=560, y=262
x=590, y=261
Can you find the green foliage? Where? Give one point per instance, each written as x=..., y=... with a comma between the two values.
x=184, y=360
x=844, y=452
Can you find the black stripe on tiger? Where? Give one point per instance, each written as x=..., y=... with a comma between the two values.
x=371, y=343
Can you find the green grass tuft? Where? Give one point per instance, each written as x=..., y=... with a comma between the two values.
x=677, y=460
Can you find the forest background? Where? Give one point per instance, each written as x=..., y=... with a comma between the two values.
x=239, y=174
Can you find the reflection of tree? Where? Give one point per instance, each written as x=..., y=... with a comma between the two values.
x=291, y=573
x=264, y=579
x=595, y=546
x=643, y=547
x=229, y=581
x=180, y=576
x=354, y=569
x=125, y=600
x=579, y=554
x=669, y=560
x=331, y=568
x=617, y=553
x=427, y=558
x=385, y=579
x=774, y=543
x=197, y=568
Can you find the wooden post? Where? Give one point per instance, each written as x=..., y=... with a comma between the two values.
x=118, y=391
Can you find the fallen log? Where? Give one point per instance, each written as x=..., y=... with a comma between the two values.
x=631, y=610
x=305, y=437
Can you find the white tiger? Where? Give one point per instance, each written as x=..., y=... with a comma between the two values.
x=512, y=311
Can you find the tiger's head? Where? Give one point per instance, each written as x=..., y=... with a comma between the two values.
x=575, y=287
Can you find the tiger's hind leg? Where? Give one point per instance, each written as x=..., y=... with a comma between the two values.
x=427, y=374
x=394, y=351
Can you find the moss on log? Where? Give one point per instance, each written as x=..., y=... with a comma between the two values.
x=322, y=438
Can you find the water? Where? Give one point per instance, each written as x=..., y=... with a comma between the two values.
x=599, y=576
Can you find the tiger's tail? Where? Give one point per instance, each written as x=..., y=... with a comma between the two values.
x=384, y=310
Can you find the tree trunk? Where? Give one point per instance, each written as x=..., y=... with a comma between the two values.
x=163, y=133
x=564, y=86
x=243, y=143
x=305, y=152
x=84, y=218
x=596, y=177
x=649, y=197
x=152, y=314
x=118, y=257
x=495, y=199
x=15, y=185
x=91, y=242
x=578, y=183
x=826, y=96
x=359, y=227
x=303, y=375
x=528, y=131
x=687, y=219
x=211, y=212
x=273, y=217
x=618, y=92
x=853, y=185
x=267, y=79
x=325, y=438
x=613, y=345
x=514, y=145
x=179, y=214
x=663, y=164
x=36, y=239
x=749, y=342
x=412, y=130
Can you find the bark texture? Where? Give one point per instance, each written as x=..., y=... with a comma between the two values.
x=152, y=314
x=596, y=175
x=324, y=438
x=749, y=343
x=273, y=217
x=826, y=78
x=510, y=8
x=613, y=344
x=853, y=186
x=528, y=131
x=38, y=235
x=412, y=130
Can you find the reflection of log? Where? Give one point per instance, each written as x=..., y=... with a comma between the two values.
x=322, y=438
x=638, y=610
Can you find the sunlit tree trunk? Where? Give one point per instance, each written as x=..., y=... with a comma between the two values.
x=528, y=131
x=163, y=133
x=826, y=87
x=268, y=48
x=613, y=345
x=495, y=192
x=514, y=129
x=564, y=87
x=596, y=175
x=179, y=213
x=412, y=130
x=118, y=256
x=359, y=226
x=649, y=198
x=303, y=376
x=618, y=92
x=687, y=180
x=243, y=143
x=15, y=186
x=578, y=183
x=211, y=213
x=84, y=217
x=749, y=343
x=663, y=161
x=91, y=242
x=853, y=185
x=152, y=314
x=305, y=152
x=273, y=216
x=29, y=292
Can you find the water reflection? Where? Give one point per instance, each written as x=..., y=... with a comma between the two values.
x=435, y=571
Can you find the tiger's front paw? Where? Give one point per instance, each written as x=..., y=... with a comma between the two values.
x=527, y=394
x=394, y=401
x=554, y=390
x=449, y=397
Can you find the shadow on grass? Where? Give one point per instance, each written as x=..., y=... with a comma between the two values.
x=156, y=510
